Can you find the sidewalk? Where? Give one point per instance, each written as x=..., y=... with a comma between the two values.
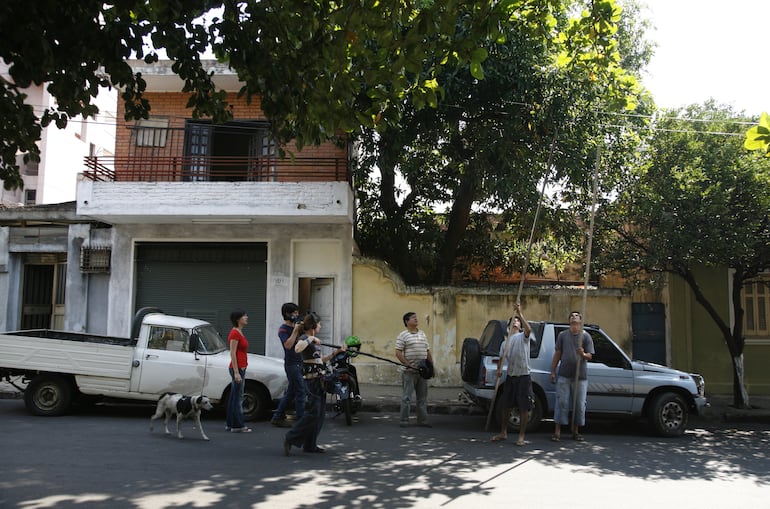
x=449, y=401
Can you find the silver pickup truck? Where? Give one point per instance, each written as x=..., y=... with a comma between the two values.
x=617, y=386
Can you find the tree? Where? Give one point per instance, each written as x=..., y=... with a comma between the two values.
x=481, y=153
x=319, y=67
x=696, y=199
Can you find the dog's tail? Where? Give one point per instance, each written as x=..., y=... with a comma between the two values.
x=164, y=395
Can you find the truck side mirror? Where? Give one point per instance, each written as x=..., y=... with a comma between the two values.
x=195, y=342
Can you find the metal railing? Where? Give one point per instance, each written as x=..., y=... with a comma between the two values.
x=216, y=169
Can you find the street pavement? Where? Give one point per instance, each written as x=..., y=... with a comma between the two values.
x=449, y=401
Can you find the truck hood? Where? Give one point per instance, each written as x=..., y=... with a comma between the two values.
x=658, y=368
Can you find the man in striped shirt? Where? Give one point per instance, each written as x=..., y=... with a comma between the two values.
x=411, y=348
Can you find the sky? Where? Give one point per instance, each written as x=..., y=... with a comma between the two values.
x=704, y=51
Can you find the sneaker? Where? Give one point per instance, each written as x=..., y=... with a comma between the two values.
x=424, y=425
x=281, y=423
x=404, y=424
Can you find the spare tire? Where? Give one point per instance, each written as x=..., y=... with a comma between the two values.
x=470, y=360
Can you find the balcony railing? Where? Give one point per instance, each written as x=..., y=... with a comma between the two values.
x=216, y=169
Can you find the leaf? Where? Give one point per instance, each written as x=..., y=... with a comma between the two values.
x=758, y=137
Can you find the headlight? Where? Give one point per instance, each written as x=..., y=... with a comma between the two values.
x=700, y=384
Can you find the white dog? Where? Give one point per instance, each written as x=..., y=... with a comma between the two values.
x=183, y=407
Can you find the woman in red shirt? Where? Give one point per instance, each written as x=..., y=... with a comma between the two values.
x=239, y=346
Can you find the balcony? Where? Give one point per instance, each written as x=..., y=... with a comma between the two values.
x=216, y=190
x=216, y=169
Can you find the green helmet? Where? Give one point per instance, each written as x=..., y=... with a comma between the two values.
x=353, y=344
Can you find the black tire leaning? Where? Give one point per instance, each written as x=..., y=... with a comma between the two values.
x=470, y=360
x=669, y=414
x=49, y=395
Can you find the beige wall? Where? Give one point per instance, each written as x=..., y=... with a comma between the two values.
x=448, y=315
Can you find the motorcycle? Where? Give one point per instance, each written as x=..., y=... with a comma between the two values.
x=342, y=381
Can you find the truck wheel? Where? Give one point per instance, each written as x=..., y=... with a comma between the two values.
x=256, y=402
x=48, y=395
x=470, y=360
x=535, y=415
x=669, y=414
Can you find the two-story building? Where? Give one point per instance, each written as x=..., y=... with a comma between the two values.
x=199, y=219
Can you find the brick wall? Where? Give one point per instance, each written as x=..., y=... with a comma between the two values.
x=161, y=163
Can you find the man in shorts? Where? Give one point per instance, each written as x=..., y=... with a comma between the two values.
x=517, y=388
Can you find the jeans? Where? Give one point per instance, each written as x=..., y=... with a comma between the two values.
x=412, y=382
x=294, y=392
x=305, y=431
x=564, y=401
x=235, y=403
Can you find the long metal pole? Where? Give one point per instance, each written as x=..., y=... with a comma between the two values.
x=523, y=273
x=589, y=245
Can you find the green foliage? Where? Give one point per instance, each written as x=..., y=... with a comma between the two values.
x=480, y=156
x=695, y=199
x=320, y=67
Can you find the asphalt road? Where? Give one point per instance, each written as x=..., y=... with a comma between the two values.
x=106, y=457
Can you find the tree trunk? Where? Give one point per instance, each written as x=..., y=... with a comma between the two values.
x=740, y=394
x=459, y=218
x=732, y=338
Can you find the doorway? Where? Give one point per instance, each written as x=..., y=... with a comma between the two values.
x=317, y=294
x=648, y=322
x=43, y=292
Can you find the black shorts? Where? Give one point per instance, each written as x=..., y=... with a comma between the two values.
x=517, y=392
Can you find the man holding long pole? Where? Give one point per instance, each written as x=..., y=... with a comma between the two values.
x=574, y=348
x=517, y=391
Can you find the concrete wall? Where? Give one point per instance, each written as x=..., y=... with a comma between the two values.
x=448, y=315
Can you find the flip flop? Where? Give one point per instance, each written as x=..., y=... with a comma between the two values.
x=555, y=438
x=520, y=442
x=497, y=438
x=577, y=437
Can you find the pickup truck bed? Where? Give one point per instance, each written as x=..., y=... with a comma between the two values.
x=66, y=352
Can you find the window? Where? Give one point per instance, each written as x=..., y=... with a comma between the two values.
x=169, y=339
x=233, y=151
x=756, y=307
x=151, y=132
x=30, y=197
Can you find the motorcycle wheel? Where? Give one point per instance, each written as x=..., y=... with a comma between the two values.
x=347, y=408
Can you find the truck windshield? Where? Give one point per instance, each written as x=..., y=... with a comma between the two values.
x=210, y=340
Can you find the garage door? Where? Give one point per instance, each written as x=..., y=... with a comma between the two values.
x=206, y=281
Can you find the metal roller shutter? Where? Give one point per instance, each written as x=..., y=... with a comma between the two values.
x=206, y=281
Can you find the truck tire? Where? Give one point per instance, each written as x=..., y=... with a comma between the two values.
x=48, y=395
x=470, y=360
x=256, y=401
x=669, y=414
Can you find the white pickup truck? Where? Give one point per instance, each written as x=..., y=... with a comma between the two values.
x=164, y=354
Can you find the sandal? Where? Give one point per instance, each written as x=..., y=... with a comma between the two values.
x=577, y=437
x=520, y=443
x=555, y=438
x=498, y=438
